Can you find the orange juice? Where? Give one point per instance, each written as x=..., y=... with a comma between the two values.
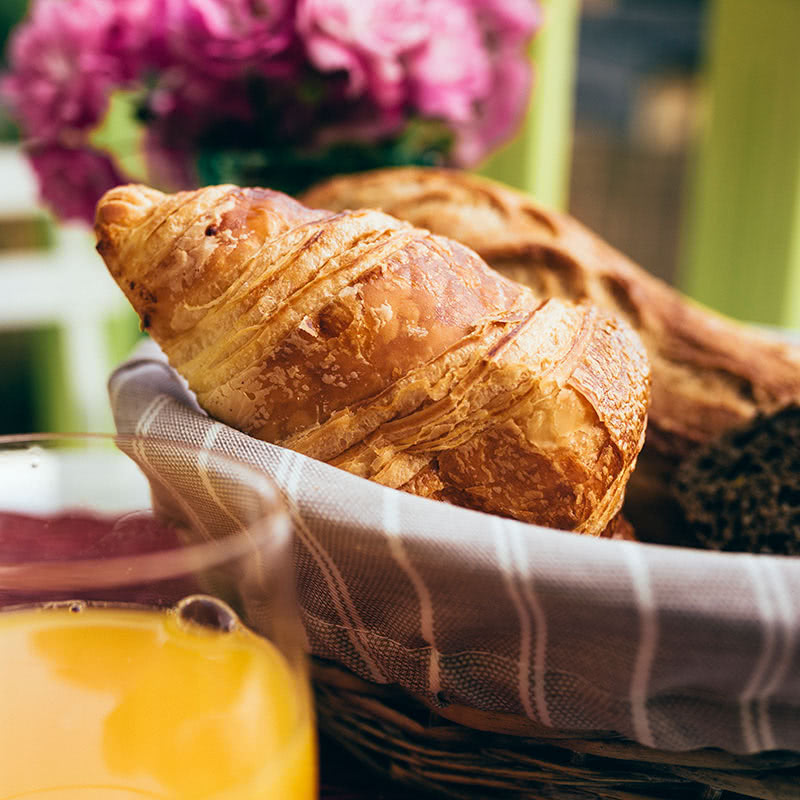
x=119, y=703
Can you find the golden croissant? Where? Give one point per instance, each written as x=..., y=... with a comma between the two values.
x=710, y=374
x=387, y=351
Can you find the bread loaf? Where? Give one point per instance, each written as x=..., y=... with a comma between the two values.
x=385, y=350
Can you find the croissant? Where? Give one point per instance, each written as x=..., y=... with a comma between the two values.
x=385, y=350
x=710, y=374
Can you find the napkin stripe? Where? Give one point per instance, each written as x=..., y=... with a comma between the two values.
x=648, y=638
x=149, y=416
x=209, y=440
x=121, y=378
x=765, y=655
x=348, y=615
x=540, y=621
x=509, y=579
x=783, y=605
x=150, y=413
x=392, y=529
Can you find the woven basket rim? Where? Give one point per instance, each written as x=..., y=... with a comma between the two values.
x=462, y=754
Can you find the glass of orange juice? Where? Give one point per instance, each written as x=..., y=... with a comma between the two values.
x=149, y=638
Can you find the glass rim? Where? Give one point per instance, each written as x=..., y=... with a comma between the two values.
x=269, y=532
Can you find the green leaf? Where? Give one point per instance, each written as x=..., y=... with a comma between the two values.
x=121, y=134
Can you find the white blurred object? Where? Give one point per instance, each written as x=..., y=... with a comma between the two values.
x=41, y=481
x=29, y=481
x=116, y=483
x=18, y=188
x=65, y=286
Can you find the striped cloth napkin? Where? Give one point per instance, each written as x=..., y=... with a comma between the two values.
x=673, y=648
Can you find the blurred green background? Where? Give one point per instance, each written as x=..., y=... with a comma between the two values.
x=17, y=348
x=38, y=389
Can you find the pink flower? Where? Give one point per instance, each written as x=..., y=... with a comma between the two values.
x=366, y=40
x=511, y=23
x=261, y=74
x=507, y=26
x=135, y=37
x=61, y=72
x=461, y=61
x=72, y=180
x=450, y=71
x=498, y=115
x=68, y=57
x=227, y=38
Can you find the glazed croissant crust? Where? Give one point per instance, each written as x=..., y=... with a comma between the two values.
x=387, y=351
x=710, y=374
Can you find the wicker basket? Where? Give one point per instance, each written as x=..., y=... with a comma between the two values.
x=361, y=593
x=460, y=752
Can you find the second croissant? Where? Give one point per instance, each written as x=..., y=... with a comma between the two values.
x=385, y=350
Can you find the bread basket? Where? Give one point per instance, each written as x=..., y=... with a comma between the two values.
x=480, y=657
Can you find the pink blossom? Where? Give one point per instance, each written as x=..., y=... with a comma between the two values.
x=497, y=116
x=510, y=23
x=244, y=74
x=507, y=27
x=366, y=40
x=227, y=38
x=68, y=57
x=72, y=180
x=461, y=61
x=62, y=74
x=136, y=37
x=450, y=71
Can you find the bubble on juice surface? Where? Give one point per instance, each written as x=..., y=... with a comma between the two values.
x=208, y=612
x=73, y=606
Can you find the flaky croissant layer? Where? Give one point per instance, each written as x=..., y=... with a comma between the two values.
x=385, y=350
x=710, y=374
